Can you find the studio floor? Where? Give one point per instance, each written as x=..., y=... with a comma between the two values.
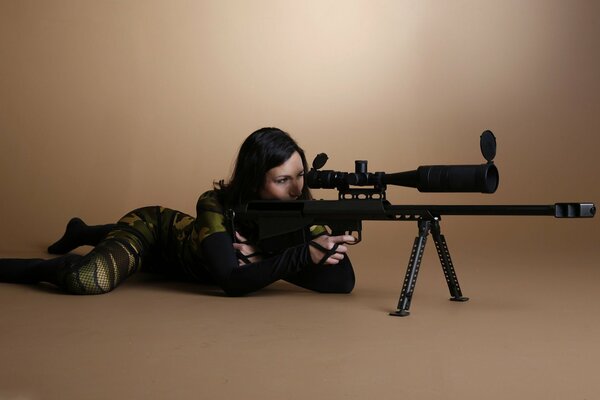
x=530, y=331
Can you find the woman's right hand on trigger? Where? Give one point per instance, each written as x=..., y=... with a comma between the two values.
x=328, y=242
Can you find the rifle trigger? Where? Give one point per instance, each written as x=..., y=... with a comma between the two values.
x=357, y=240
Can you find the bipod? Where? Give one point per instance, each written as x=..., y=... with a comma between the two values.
x=426, y=225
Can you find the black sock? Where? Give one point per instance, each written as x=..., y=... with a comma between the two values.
x=33, y=270
x=78, y=233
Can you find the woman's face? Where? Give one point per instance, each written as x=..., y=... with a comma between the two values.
x=284, y=182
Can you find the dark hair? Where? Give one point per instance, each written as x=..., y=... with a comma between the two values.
x=264, y=149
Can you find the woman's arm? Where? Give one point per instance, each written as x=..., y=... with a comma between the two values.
x=298, y=264
x=221, y=261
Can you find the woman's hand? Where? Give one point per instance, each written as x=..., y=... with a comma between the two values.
x=328, y=242
x=246, y=249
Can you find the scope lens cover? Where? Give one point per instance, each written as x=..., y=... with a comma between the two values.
x=488, y=145
x=320, y=161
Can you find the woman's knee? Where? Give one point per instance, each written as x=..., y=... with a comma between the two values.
x=88, y=281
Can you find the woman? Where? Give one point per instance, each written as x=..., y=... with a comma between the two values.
x=211, y=248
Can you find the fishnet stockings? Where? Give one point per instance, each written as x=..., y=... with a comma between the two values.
x=111, y=262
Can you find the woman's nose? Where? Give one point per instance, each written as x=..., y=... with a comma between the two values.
x=296, y=189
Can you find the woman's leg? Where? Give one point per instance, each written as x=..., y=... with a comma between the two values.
x=112, y=261
x=33, y=270
x=78, y=233
x=101, y=270
x=116, y=257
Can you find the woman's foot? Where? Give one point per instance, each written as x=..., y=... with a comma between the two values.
x=71, y=238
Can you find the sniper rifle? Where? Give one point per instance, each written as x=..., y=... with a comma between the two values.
x=362, y=196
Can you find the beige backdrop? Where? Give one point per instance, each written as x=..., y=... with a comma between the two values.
x=106, y=106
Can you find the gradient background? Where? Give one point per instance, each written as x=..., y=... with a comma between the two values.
x=108, y=106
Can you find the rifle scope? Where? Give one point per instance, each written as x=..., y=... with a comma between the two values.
x=448, y=178
x=481, y=178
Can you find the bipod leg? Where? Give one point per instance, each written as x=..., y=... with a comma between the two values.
x=446, y=261
x=412, y=271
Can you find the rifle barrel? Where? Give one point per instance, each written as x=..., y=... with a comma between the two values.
x=372, y=209
x=558, y=210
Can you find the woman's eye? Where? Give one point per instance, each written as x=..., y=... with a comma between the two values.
x=281, y=181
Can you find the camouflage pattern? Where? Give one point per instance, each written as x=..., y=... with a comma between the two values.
x=318, y=230
x=165, y=240
x=175, y=236
x=102, y=269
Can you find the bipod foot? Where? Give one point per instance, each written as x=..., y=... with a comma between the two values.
x=460, y=299
x=400, y=313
